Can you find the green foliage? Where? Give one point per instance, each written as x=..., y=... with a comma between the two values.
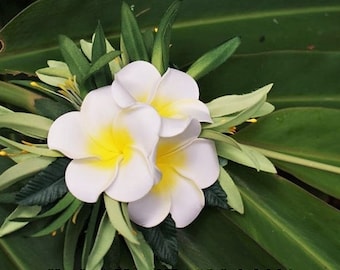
x=160, y=52
x=45, y=187
x=163, y=241
x=131, y=35
x=215, y=196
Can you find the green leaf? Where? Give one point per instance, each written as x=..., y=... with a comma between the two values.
x=18, y=96
x=215, y=196
x=60, y=220
x=160, y=52
x=72, y=234
x=90, y=232
x=10, y=226
x=162, y=240
x=104, y=239
x=294, y=136
x=132, y=37
x=142, y=253
x=52, y=109
x=47, y=186
x=40, y=150
x=230, y=104
x=22, y=122
x=76, y=61
x=23, y=170
x=234, y=198
x=102, y=61
x=103, y=75
x=213, y=59
x=118, y=221
x=282, y=217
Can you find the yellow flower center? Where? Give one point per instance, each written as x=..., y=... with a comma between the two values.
x=167, y=161
x=111, y=145
x=164, y=107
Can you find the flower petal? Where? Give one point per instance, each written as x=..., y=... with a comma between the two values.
x=172, y=127
x=86, y=179
x=140, y=79
x=167, y=145
x=99, y=110
x=195, y=109
x=150, y=210
x=134, y=179
x=122, y=97
x=187, y=201
x=202, y=165
x=67, y=136
x=176, y=85
x=143, y=124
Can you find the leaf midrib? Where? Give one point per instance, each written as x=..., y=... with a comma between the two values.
x=288, y=232
x=4, y=247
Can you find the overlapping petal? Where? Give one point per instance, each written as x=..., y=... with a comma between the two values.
x=187, y=164
x=113, y=149
x=174, y=95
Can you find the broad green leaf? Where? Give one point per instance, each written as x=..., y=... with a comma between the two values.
x=10, y=226
x=219, y=137
x=22, y=122
x=46, y=186
x=214, y=242
x=297, y=77
x=105, y=236
x=60, y=221
x=118, y=221
x=234, y=198
x=23, y=170
x=41, y=150
x=160, y=52
x=306, y=134
x=282, y=217
x=142, y=253
x=131, y=35
x=213, y=59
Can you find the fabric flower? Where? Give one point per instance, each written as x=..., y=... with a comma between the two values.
x=174, y=95
x=187, y=164
x=112, y=149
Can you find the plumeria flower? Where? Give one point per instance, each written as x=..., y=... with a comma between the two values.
x=174, y=95
x=187, y=164
x=112, y=149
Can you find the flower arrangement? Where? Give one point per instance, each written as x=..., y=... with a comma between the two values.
x=123, y=154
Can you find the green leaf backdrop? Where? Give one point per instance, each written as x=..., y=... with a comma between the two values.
x=295, y=45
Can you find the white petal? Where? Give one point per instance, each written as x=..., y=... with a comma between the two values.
x=86, y=179
x=167, y=145
x=172, y=127
x=68, y=136
x=202, y=165
x=99, y=110
x=143, y=124
x=121, y=96
x=150, y=210
x=139, y=78
x=176, y=85
x=195, y=109
x=134, y=179
x=187, y=201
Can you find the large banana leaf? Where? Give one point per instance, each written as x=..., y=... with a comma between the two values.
x=293, y=44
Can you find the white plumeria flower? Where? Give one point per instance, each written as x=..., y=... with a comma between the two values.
x=112, y=149
x=174, y=95
x=187, y=164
